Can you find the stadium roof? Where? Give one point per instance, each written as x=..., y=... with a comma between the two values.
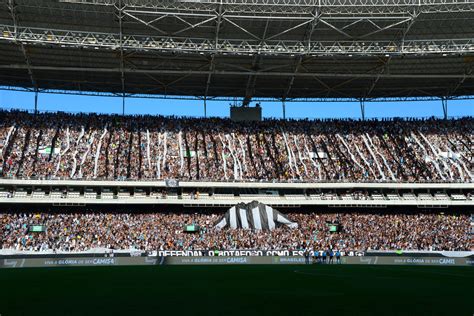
x=246, y=49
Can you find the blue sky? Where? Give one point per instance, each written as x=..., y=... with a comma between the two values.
x=71, y=103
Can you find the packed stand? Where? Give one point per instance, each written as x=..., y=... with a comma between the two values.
x=91, y=146
x=165, y=231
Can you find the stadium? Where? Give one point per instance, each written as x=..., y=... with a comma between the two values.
x=134, y=214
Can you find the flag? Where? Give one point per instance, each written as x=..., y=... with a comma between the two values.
x=253, y=215
x=189, y=153
x=320, y=154
x=46, y=150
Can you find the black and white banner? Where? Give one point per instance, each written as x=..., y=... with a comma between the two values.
x=253, y=215
x=172, y=183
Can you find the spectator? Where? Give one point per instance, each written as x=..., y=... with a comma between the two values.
x=164, y=231
x=92, y=146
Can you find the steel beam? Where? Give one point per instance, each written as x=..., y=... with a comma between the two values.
x=187, y=45
x=12, y=6
x=283, y=105
x=244, y=73
x=376, y=80
x=219, y=13
x=120, y=9
x=333, y=7
x=306, y=38
x=256, y=65
x=469, y=71
x=36, y=101
x=444, y=103
x=232, y=98
x=362, y=108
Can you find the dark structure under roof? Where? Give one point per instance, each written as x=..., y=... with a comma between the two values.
x=240, y=49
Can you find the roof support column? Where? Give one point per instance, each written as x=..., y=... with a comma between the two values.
x=362, y=108
x=120, y=16
x=123, y=104
x=205, y=108
x=284, y=108
x=36, y=101
x=444, y=103
x=12, y=6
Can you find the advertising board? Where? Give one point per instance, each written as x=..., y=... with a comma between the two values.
x=221, y=260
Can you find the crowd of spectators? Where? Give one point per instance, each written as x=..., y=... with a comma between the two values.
x=165, y=231
x=92, y=146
